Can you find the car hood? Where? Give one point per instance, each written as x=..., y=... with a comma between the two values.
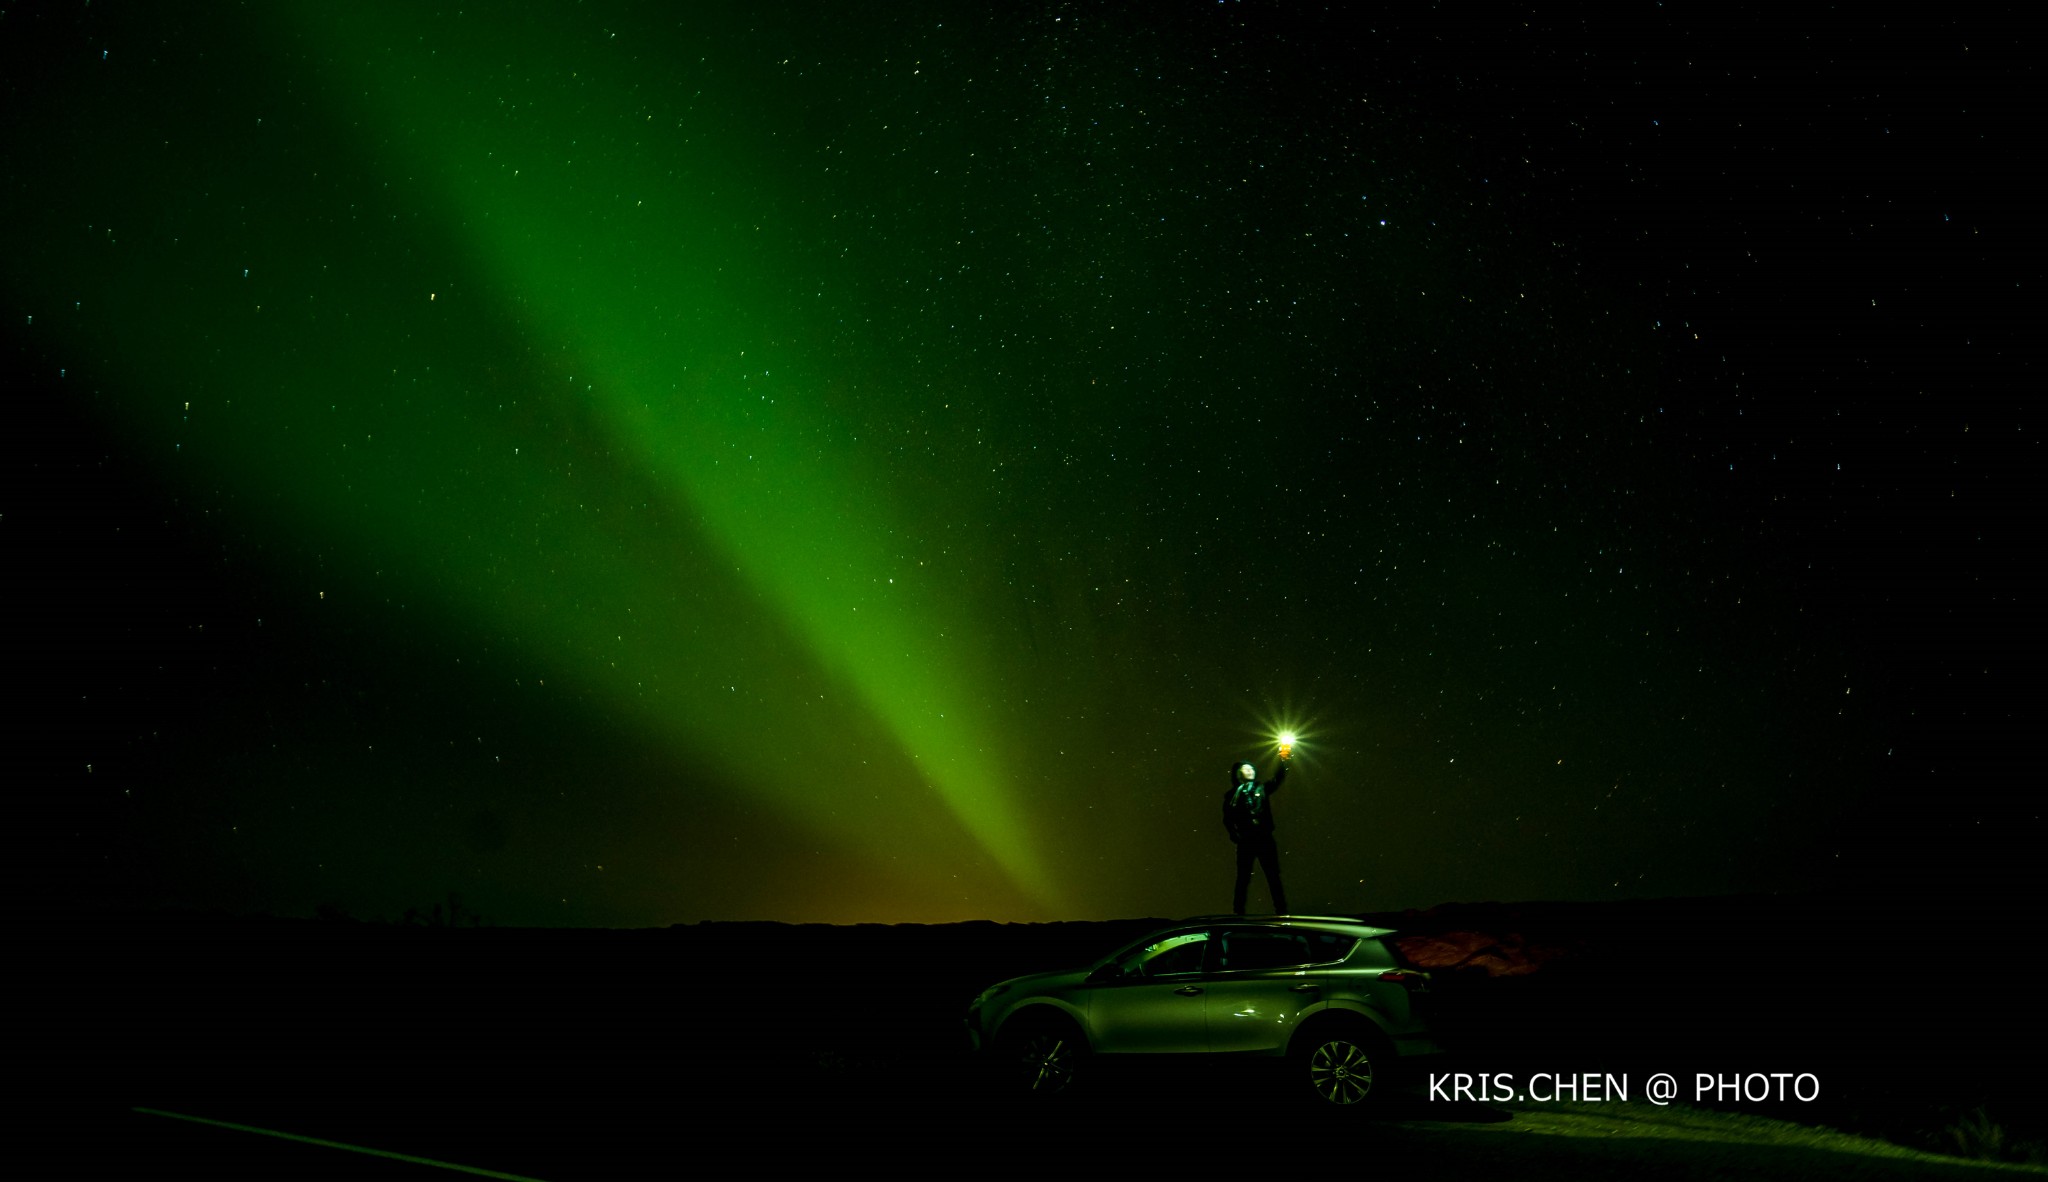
x=1042, y=982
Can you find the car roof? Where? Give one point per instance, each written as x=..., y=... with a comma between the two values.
x=1344, y=924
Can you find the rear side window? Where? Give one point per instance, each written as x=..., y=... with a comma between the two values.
x=1328, y=947
x=1373, y=954
x=1249, y=949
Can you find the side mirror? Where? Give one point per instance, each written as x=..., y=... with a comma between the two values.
x=1103, y=974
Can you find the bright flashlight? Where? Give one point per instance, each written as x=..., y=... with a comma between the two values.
x=1286, y=744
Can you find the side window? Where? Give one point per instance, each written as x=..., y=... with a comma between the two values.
x=1326, y=948
x=1247, y=949
x=1374, y=954
x=1177, y=955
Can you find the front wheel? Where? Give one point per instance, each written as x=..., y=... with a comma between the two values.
x=1042, y=1058
x=1338, y=1066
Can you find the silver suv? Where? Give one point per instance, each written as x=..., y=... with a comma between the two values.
x=1327, y=994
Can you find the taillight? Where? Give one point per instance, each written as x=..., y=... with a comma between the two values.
x=1413, y=981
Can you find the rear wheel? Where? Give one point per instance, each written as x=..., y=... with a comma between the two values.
x=1340, y=1065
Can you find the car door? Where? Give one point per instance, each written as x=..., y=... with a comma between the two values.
x=1260, y=989
x=1152, y=1003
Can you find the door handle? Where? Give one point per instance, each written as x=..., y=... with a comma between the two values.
x=1304, y=987
x=1187, y=991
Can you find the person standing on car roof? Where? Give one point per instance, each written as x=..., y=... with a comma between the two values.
x=1248, y=817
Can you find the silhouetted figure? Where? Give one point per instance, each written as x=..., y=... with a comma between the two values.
x=1248, y=815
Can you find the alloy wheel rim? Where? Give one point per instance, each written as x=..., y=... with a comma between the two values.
x=1340, y=1072
x=1048, y=1067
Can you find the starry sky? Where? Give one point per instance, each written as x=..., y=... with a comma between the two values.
x=632, y=463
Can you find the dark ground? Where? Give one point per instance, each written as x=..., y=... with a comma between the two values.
x=741, y=1048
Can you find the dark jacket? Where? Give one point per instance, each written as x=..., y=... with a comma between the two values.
x=1248, y=807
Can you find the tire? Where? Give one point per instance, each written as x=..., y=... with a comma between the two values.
x=1040, y=1058
x=1340, y=1065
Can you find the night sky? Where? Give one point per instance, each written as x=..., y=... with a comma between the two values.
x=640, y=463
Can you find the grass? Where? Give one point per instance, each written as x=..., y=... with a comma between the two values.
x=1682, y=1123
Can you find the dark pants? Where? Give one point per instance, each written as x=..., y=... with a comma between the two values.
x=1259, y=847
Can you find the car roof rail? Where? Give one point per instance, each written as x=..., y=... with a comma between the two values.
x=1350, y=919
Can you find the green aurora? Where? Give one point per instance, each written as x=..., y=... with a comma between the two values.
x=678, y=366
x=825, y=467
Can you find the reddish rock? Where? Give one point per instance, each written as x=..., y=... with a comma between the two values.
x=1509, y=955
